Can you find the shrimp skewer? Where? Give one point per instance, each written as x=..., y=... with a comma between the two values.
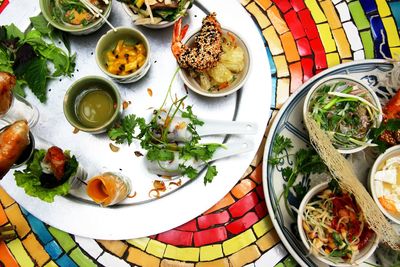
x=208, y=45
x=13, y=141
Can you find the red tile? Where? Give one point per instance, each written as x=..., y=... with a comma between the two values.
x=211, y=236
x=242, y=224
x=243, y=205
x=283, y=5
x=319, y=54
x=308, y=65
x=260, y=191
x=209, y=220
x=303, y=46
x=261, y=210
x=296, y=76
x=294, y=24
x=176, y=238
x=308, y=24
x=189, y=226
x=297, y=5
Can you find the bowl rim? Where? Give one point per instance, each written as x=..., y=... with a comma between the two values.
x=73, y=30
x=312, y=192
x=372, y=172
x=131, y=30
x=354, y=80
x=185, y=77
x=113, y=117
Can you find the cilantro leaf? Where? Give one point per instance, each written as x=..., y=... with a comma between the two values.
x=193, y=118
x=189, y=171
x=280, y=144
x=210, y=174
x=156, y=154
x=126, y=131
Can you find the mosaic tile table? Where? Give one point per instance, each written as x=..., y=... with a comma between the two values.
x=302, y=38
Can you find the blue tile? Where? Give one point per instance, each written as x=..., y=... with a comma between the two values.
x=66, y=261
x=39, y=229
x=271, y=62
x=395, y=6
x=24, y=211
x=369, y=6
x=274, y=82
x=53, y=249
x=377, y=30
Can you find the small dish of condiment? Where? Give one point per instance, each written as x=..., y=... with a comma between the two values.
x=92, y=104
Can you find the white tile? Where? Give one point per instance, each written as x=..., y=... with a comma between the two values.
x=272, y=256
x=335, y=2
x=343, y=11
x=249, y=265
x=353, y=36
x=109, y=260
x=89, y=246
x=359, y=55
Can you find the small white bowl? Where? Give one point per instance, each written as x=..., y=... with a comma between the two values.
x=350, y=80
x=395, y=150
x=364, y=254
x=235, y=86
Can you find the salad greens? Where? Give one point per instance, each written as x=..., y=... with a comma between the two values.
x=30, y=179
x=345, y=112
x=305, y=162
x=27, y=55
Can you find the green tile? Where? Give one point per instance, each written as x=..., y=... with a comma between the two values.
x=64, y=239
x=358, y=15
x=81, y=259
x=51, y=264
x=22, y=257
x=280, y=265
x=368, y=44
x=290, y=262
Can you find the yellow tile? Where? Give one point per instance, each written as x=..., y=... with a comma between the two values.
x=282, y=92
x=116, y=247
x=138, y=257
x=19, y=253
x=332, y=59
x=261, y=18
x=383, y=8
x=326, y=37
x=281, y=66
x=156, y=248
x=342, y=43
x=274, y=43
x=139, y=242
x=218, y=263
x=245, y=256
x=5, y=198
x=264, y=4
x=331, y=15
x=16, y=218
x=35, y=249
x=268, y=240
x=395, y=52
x=171, y=263
x=212, y=252
x=346, y=60
x=391, y=31
x=51, y=264
x=182, y=254
x=238, y=242
x=263, y=226
x=277, y=20
x=245, y=2
x=315, y=10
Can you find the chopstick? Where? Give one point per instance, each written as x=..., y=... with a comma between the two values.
x=97, y=12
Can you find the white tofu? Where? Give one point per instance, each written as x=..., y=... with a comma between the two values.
x=393, y=161
x=387, y=176
x=379, y=189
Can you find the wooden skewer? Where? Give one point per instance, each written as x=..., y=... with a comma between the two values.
x=97, y=12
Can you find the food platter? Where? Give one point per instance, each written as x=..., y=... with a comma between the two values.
x=289, y=123
x=144, y=214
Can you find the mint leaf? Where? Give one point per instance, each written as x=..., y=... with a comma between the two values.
x=19, y=88
x=35, y=74
x=13, y=32
x=41, y=24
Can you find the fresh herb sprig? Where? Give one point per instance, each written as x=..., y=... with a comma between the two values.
x=376, y=133
x=305, y=162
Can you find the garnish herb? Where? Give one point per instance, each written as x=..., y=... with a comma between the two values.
x=27, y=55
x=376, y=133
x=304, y=162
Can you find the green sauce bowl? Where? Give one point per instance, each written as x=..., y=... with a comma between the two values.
x=78, y=90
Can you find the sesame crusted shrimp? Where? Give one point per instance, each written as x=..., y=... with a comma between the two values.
x=208, y=45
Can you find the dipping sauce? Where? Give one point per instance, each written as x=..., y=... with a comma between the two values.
x=95, y=107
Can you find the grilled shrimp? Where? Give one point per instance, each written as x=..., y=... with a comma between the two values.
x=7, y=83
x=13, y=141
x=207, y=49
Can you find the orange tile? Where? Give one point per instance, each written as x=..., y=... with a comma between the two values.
x=277, y=20
x=296, y=76
x=243, y=187
x=268, y=240
x=264, y=4
x=141, y=258
x=116, y=247
x=5, y=198
x=172, y=263
x=226, y=201
x=35, y=249
x=290, y=48
x=331, y=15
x=16, y=218
x=6, y=257
x=224, y=262
x=256, y=176
x=247, y=255
x=3, y=217
x=342, y=43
